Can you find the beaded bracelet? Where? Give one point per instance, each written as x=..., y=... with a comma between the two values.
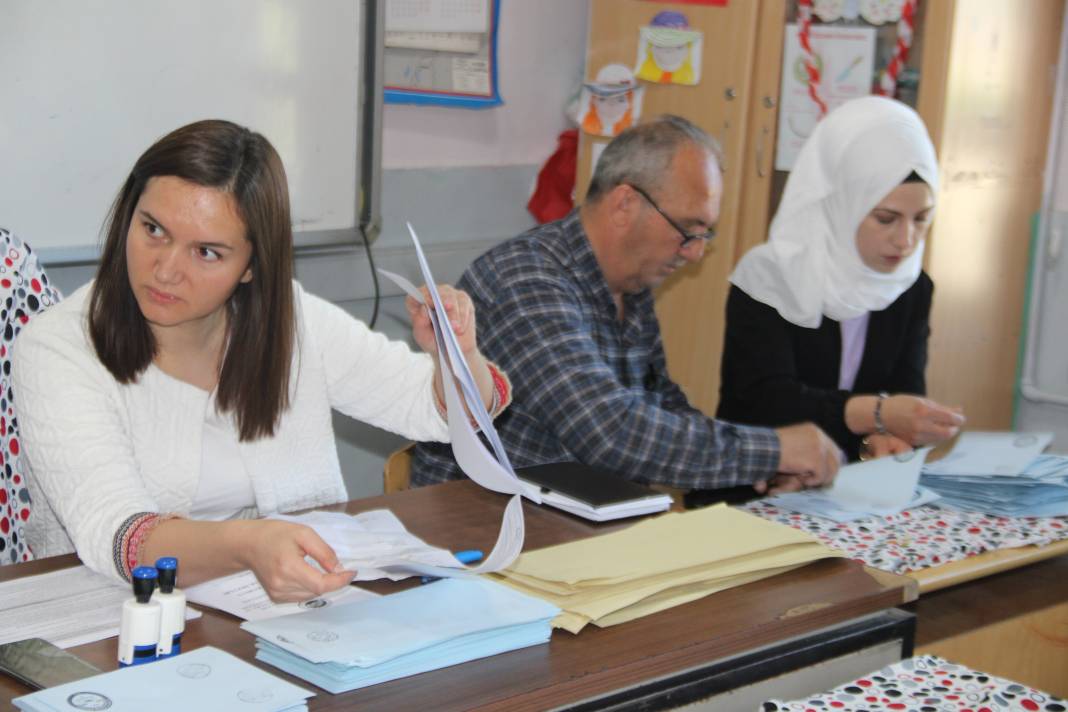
x=502, y=394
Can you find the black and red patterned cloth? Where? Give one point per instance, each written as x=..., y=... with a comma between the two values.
x=24, y=291
x=919, y=538
x=925, y=683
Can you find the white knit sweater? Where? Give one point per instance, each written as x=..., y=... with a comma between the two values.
x=100, y=451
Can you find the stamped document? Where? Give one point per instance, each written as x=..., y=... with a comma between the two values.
x=242, y=595
x=205, y=679
x=990, y=453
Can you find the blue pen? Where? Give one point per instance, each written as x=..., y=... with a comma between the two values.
x=467, y=556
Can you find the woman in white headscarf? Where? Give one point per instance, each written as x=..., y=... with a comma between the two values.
x=828, y=320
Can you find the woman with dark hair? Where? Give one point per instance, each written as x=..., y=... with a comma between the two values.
x=188, y=388
x=828, y=320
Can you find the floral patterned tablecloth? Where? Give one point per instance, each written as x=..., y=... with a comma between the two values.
x=919, y=538
x=925, y=683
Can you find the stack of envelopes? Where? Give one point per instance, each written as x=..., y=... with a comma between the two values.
x=205, y=679
x=366, y=642
x=1039, y=490
x=659, y=563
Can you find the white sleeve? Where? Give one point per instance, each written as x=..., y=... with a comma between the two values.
x=75, y=438
x=369, y=377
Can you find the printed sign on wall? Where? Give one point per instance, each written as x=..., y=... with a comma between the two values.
x=845, y=57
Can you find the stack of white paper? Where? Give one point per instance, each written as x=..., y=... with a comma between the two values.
x=205, y=680
x=363, y=643
x=878, y=487
x=67, y=607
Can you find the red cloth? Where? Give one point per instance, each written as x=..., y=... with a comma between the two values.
x=554, y=191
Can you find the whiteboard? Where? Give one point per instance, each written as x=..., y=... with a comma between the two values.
x=86, y=87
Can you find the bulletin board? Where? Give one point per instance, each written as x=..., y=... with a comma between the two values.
x=441, y=52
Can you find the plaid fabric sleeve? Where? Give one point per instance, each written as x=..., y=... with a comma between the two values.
x=673, y=397
x=543, y=341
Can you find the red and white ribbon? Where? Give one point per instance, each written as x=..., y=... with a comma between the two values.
x=804, y=36
x=905, y=26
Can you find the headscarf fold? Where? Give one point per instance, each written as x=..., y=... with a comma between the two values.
x=810, y=266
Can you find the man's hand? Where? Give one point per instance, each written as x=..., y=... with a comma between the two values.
x=807, y=458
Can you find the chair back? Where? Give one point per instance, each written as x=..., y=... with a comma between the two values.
x=397, y=475
x=24, y=292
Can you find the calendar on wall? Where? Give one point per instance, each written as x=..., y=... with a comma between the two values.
x=441, y=52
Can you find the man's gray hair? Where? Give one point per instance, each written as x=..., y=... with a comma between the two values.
x=642, y=154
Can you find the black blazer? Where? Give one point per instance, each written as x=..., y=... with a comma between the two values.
x=776, y=373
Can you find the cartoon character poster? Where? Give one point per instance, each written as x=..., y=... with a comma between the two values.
x=669, y=52
x=610, y=103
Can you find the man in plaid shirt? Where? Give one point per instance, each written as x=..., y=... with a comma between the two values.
x=566, y=309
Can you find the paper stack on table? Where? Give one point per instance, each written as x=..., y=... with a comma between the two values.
x=659, y=563
x=363, y=643
x=205, y=680
x=990, y=453
x=374, y=544
x=1001, y=474
x=67, y=607
x=878, y=487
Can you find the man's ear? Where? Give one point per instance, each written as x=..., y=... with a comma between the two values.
x=622, y=205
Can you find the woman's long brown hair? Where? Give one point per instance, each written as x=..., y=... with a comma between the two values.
x=254, y=379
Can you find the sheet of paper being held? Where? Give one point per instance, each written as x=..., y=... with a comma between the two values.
x=494, y=473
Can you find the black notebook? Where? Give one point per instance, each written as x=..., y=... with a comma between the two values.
x=591, y=486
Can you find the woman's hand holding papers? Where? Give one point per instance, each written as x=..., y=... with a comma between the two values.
x=275, y=551
x=876, y=445
x=460, y=312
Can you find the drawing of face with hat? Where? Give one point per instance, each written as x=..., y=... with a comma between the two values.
x=610, y=103
x=669, y=52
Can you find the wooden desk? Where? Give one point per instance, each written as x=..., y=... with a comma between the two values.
x=1004, y=612
x=825, y=611
x=983, y=565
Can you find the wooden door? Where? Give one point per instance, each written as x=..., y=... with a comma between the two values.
x=691, y=303
x=758, y=169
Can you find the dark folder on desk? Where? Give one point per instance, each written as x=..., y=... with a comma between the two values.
x=592, y=493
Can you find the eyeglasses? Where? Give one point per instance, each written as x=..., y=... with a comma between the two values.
x=687, y=237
